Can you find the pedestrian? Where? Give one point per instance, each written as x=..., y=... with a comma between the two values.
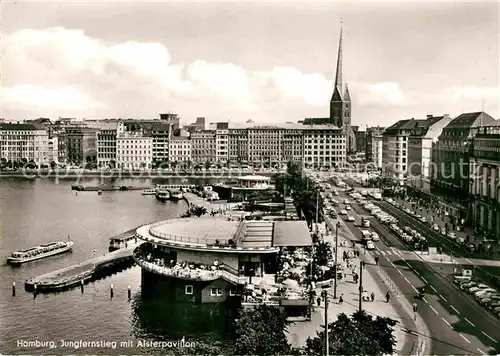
x=387, y=297
x=318, y=301
x=341, y=299
x=372, y=296
x=355, y=278
x=414, y=307
x=376, y=260
x=363, y=263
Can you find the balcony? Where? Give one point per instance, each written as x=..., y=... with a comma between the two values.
x=186, y=272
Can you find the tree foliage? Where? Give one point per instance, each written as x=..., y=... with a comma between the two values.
x=262, y=331
x=323, y=253
x=360, y=334
x=304, y=195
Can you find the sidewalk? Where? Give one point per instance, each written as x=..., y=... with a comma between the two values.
x=436, y=217
x=299, y=332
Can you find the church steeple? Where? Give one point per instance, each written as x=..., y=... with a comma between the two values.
x=338, y=74
x=336, y=102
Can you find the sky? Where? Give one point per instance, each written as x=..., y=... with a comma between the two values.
x=271, y=62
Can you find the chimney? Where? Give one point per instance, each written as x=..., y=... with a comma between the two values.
x=429, y=117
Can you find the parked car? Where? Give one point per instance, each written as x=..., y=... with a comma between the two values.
x=435, y=227
x=370, y=245
x=443, y=231
x=423, y=219
x=375, y=236
x=348, y=208
x=351, y=218
x=484, y=292
x=451, y=235
x=478, y=288
x=343, y=212
x=467, y=285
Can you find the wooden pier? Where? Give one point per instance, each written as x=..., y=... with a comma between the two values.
x=83, y=272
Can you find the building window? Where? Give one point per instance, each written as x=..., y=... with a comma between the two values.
x=188, y=289
x=232, y=292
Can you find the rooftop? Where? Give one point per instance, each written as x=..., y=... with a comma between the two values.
x=20, y=127
x=471, y=119
x=214, y=233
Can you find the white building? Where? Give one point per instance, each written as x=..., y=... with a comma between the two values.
x=106, y=145
x=24, y=143
x=377, y=151
x=180, y=149
x=53, y=150
x=134, y=150
x=324, y=146
x=420, y=146
x=221, y=145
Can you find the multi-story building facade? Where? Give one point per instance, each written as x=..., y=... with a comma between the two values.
x=395, y=150
x=238, y=145
x=161, y=133
x=203, y=146
x=484, y=183
x=180, y=149
x=324, y=146
x=420, y=144
x=53, y=150
x=106, y=146
x=222, y=142
x=23, y=143
x=377, y=151
x=80, y=144
x=450, y=157
x=360, y=139
x=371, y=133
x=134, y=149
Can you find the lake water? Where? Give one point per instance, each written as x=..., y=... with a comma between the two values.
x=39, y=211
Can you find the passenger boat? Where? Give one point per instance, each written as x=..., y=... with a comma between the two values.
x=149, y=192
x=162, y=195
x=176, y=194
x=39, y=252
x=122, y=240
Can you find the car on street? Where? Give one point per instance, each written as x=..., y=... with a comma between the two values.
x=451, y=235
x=443, y=231
x=351, y=218
x=375, y=236
x=343, y=212
x=346, y=201
x=348, y=208
x=460, y=240
x=423, y=219
x=370, y=245
x=435, y=227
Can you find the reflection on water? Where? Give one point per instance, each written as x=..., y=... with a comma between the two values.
x=163, y=320
x=38, y=211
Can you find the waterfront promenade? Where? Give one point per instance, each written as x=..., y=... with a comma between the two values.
x=298, y=333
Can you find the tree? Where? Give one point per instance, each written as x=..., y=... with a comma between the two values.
x=262, y=331
x=358, y=335
x=323, y=253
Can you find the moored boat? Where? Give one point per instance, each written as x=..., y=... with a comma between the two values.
x=176, y=194
x=162, y=195
x=149, y=192
x=122, y=240
x=38, y=252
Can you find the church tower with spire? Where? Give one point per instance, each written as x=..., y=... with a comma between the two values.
x=340, y=103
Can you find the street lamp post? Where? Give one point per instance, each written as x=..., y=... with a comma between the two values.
x=337, y=225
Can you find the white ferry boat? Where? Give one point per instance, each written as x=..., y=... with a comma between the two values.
x=176, y=194
x=149, y=192
x=122, y=240
x=162, y=194
x=39, y=252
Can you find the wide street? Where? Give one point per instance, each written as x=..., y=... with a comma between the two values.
x=457, y=323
